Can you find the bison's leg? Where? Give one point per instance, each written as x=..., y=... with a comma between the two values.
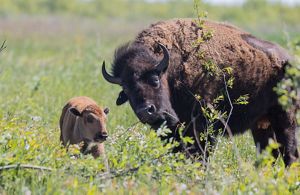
x=262, y=132
x=284, y=125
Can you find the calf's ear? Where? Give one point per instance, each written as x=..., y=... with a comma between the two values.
x=74, y=111
x=106, y=111
x=122, y=98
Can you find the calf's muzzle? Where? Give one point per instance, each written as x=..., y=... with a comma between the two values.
x=101, y=136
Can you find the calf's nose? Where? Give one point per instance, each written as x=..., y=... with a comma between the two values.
x=101, y=135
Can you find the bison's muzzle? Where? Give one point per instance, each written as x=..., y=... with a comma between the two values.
x=150, y=115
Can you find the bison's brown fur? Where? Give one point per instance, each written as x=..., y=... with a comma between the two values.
x=83, y=120
x=257, y=67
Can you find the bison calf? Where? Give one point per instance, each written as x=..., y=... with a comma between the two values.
x=83, y=120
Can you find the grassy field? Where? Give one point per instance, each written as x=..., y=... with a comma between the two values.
x=51, y=58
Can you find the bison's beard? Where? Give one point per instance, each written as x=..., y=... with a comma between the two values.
x=171, y=119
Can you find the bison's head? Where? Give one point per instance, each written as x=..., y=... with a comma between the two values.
x=91, y=124
x=144, y=82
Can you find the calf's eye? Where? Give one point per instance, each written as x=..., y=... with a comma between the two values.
x=90, y=118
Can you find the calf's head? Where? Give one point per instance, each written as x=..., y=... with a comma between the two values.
x=91, y=124
x=144, y=82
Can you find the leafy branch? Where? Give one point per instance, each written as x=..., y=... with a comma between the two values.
x=210, y=110
x=25, y=166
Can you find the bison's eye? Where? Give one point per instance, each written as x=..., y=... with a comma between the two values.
x=154, y=80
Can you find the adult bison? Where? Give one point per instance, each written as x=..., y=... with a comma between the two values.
x=161, y=86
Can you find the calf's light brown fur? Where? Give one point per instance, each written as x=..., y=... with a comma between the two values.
x=83, y=120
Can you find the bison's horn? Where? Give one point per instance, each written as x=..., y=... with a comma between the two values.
x=108, y=77
x=164, y=63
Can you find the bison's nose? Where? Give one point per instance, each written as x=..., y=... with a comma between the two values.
x=101, y=136
x=145, y=113
x=151, y=109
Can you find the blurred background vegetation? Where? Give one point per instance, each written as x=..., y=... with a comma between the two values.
x=266, y=18
x=54, y=52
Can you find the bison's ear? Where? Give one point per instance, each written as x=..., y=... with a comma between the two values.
x=74, y=111
x=106, y=111
x=122, y=98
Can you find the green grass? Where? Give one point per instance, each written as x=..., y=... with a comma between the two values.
x=40, y=72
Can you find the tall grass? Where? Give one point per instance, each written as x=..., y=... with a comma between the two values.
x=51, y=59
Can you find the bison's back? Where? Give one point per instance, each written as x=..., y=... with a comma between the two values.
x=191, y=46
